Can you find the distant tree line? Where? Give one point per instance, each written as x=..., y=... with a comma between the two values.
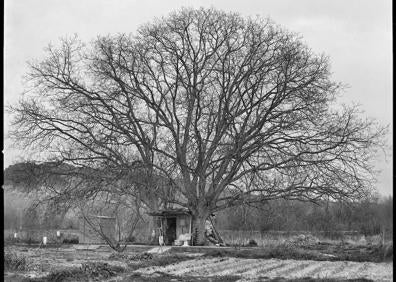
x=22, y=212
x=368, y=217
x=26, y=208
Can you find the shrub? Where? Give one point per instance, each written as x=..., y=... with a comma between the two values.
x=29, y=241
x=118, y=256
x=100, y=269
x=87, y=271
x=387, y=251
x=252, y=243
x=141, y=256
x=13, y=261
x=74, y=274
x=70, y=241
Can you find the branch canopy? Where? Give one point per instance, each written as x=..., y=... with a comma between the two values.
x=228, y=109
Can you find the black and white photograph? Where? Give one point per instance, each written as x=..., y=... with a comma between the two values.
x=198, y=140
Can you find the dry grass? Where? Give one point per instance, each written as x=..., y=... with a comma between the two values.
x=242, y=237
x=386, y=251
x=318, y=252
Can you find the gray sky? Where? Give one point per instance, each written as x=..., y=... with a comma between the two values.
x=356, y=34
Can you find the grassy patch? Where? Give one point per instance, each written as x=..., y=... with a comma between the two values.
x=138, y=257
x=372, y=253
x=280, y=252
x=75, y=274
x=318, y=252
x=157, y=260
x=87, y=272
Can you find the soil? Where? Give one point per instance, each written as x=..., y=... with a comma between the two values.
x=251, y=269
x=314, y=263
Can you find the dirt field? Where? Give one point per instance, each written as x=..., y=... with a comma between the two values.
x=252, y=269
x=96, y=263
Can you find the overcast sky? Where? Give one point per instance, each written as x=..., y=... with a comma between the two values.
x=355, y=34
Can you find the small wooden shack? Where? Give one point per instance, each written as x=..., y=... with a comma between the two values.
x=175, y=225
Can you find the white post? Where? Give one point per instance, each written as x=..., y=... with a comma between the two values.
x=20, y=219
x=383, y=235
x=45, y=240
x=191, y=233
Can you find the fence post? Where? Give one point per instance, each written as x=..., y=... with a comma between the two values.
x=383, y=235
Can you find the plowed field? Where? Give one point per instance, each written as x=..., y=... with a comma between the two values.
x=252, y=269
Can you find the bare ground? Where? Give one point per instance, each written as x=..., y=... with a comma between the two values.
x=198, y=264
x=253, y=269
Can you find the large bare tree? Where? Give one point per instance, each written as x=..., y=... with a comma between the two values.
x=229, y=110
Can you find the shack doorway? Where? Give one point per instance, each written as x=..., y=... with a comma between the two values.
x=170, y=231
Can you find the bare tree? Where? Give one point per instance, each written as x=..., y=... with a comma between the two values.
x=228, y=110
x=112, y=217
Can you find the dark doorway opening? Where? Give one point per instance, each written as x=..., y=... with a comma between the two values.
x=170, y=230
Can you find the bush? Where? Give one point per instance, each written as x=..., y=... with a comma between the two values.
x=87, y=271
x=13, y=261
x=100, y=269
x=74, y=274
x=303, y=240
x=11, y=239
x=252, y=243
x=70, y=241
x=118, y=256
x=31, y=240
x=142, y=256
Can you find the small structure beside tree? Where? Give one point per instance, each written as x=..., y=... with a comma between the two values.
x=175, y=225
x=176, y=228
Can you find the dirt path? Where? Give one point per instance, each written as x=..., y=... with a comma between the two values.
x=249, y=269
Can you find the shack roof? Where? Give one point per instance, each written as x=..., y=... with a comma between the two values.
x=170, y=212
x=97, y=216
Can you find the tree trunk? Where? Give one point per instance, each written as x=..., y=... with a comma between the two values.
x=199, y=219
